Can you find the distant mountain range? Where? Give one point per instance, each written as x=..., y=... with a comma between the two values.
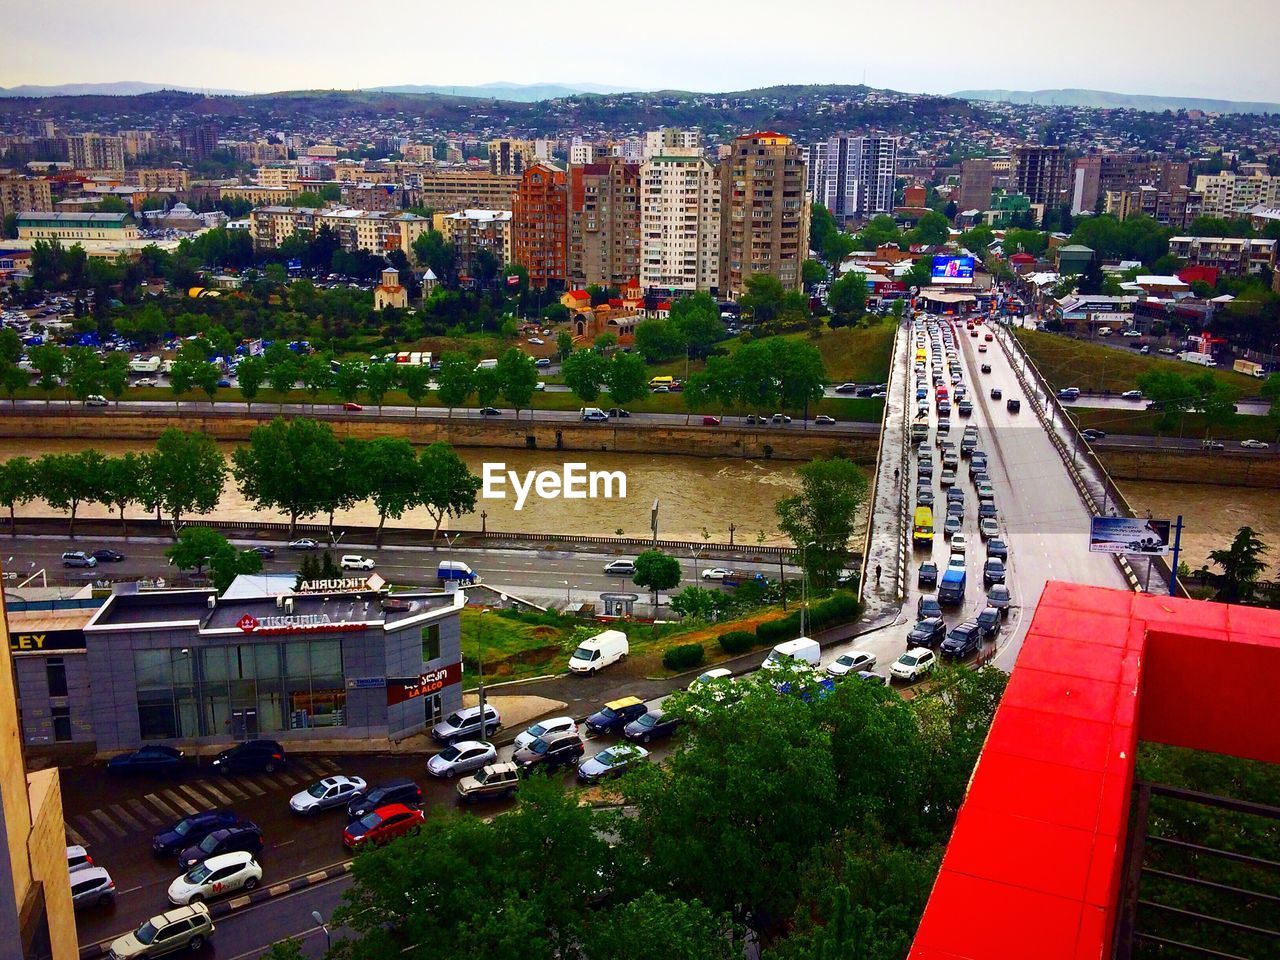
x=1106, y=100
x=516, y=92
x=121, y=88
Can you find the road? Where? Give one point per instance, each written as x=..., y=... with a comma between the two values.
x=1098, y=401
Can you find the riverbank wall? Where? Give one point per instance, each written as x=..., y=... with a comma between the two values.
x=1221, y=468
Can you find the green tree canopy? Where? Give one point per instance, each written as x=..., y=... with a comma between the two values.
x=656, y=571
x=822, y=514
x=446, y=487
x=584, y=371
x=185, y=474
x=456, y=380
x=847, y=299
x=517, y=377
x=286, y=466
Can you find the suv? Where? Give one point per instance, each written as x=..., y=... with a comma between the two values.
x=616, y=714
x=915, y=663
x=465, y=724
x=928, y=575
x=243, y=836
x=183, y=928
x=963, y=640
x=92, y=887
x=78, y=558
x=551, y=751
x=1013, y=406
x=928, y=632
x=495, y=780
x=353, y=561
x=393, y=791
x=252, y=756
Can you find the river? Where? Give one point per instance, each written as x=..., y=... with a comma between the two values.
x=695, y=494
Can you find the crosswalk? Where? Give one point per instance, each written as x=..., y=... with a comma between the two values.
x=151, y=812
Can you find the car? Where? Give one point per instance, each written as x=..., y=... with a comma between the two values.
x=542, y=361
x=266, y=553
x=1131, y=395
x=780, y=418
x=615, y=715
x=985, y=490
x=752, y=418
x=716, y=573
x=998, y=548
x=466, y=724
x=252, y=756
x=965, y=408
x=959, y=544
x=853, y=662
x=1093, y=434
x=225, y=873
x=924, y=497
x=988, y=337
x=1000, y=598
x=77, y=858
x=651, y=725
x=191, y=830
x=964, y=639
x=1145, y=348
x=95, y=400
x=78, y=558
x=382, y=824
x=988, y=527
x=223, y=383
x=916, y=663
x=618, y=413
x=495, y=781
x=155, y=758
x=352, y=406
x=993, y=571
x=707, y=676
x=490, y=412
x=553, y=750
x=1168, y=351
x=987, y=509
x=928, y=606
x=145, y=382
x=996, y=393
x=330, y=792
x=183, y=928
x=948, y=477
x=108, y=556
x=823, y=420
x=1212, y=445
x=242, y=836
x=620, y=568
x=462, y=757
x=304, y=543
x=661, y=388
x=544, y=729
x=982, y=348
x=536, y=341
x=710, y=421
x=1254, y=444
x=1012, y=405
x=92, y=887
x=1069, y=393
x=402, y=791
x=989, y=622
x=610, y=762
x=928, y=632
x=952, y=526
x=927, y=576
x=870, y=677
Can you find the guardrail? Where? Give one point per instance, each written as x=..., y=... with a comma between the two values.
x=875, y=483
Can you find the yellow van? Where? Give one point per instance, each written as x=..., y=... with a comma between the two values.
x=662, y=381
x=922, y=530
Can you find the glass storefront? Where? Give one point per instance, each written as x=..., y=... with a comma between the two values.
x=240, y=690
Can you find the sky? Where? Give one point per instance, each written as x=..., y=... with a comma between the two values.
x=1163, y=47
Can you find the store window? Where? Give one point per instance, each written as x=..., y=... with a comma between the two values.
x=431, y=642
x=55, y=669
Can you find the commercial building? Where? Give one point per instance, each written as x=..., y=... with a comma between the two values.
x=1234, y=257
x=511, y=158
x=1228, y=195
x=764, y=221
x=18, y=194
x=680, y=211
x=70, y=228
x=604, y=223
x=853, y=177
x=37, y=921
x=341, y=660
x=540, y=225
x=471, y=231
x=450, y=190
x=95, y=151
x=1040, y=174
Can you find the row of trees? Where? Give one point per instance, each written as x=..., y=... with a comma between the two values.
x=762, y=375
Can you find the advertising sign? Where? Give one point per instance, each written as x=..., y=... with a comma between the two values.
x=401, y=689
x=952, y=269
x=1129, y=535
x=46, y=640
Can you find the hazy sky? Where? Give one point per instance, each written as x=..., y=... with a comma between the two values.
x=1164, y=47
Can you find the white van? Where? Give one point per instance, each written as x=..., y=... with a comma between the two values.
x=800, y=651
x=455, y=571
x=599, y=651
x=593, y=414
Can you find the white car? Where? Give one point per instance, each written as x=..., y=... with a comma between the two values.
x=715, y=573
x=957, y=561
x=462, y=757
x=716, y=673
x=536, y=341
x=823, y=419
x=1254, y=444
x=948, y=477
x=988, y=528
x=544, y=729
x=1131, y=333
x=851, y=663
x=303, y=543
x=353, y=561
x=225, y=873
x=329, y=792
x=145, y=382
x=914, y=664
x=959, y=543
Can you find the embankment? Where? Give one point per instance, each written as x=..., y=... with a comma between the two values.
x=1223, y=468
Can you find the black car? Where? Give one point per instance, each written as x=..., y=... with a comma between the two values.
x=651, y=726
x=992, y=571
x=556, y=750
x=928, y=576
x=619, y=412
x=189, y=831
x=989, y=623
x=986, y=368
x=1000, y=598
x=403, y=791
x=490, y=412
x=252, y=756
x=108, y=556
x=997, y=393
x=1013, y=406
x=924, y=497
x=153, y=759
x=266, y=553
x=927, y=606
x=242, y=836
x=1090, y=434
x=609, y=719
x=997, y=548
x=927, y=633
x=963, y=640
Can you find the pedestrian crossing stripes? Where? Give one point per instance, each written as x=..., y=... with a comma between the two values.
x=107, y=822
x=87, y=829
x=163, y=807
x=73, y=836
x=127, y=818
x=144, y=812
x=212, y=791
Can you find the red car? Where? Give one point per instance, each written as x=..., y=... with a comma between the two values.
x=349, y=405
x=385, y=823
x=711, y=421
x=987, y=337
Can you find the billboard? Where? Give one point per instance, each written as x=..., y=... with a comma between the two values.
x=952, y=270
x=1129, y=535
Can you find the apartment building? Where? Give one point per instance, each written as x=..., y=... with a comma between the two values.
x=580, y=151
x=276, y=175
x=95, y=151
x=540, y=225
x=258, y=151
x=1040, y=174
x=18, y=194
x=764, y=220
x=977, y=180
x=259, y=195
x=161, y=178
x=138, y=143
x=471, y=231
x=510, y=157
x=680, y=211
x=70, y=228
x=1232, y=256
x=1096, y=175
x=450, y=190
x=373, y=196
x=604, y=223
x=1229, y=195
x=373, y=231
x=853, y=177
x=672, y=142
x=1176, y=207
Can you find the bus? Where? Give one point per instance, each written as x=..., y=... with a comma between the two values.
x=922, y=529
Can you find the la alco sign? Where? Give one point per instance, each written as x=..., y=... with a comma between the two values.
x=402, y=689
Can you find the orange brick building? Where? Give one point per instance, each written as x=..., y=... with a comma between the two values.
x=540, y=225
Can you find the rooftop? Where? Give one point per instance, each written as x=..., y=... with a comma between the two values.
x=103, y=218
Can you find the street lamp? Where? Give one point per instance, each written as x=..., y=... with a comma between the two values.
x=328, y=937
x=696, y=554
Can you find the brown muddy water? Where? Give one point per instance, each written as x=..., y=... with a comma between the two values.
x=695, y=495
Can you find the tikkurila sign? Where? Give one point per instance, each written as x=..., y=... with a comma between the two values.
x=300, y=623
x=401, y=689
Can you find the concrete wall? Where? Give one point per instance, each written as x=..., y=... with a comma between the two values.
x=47, y=849
x=1224, y=468
x=37, y=706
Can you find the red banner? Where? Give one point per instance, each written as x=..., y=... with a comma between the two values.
x=401, y=689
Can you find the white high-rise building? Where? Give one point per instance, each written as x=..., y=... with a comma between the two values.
x=581, y=151
x=854, y=177
x=671, y=142
x=1228, y=195
x=679, y=224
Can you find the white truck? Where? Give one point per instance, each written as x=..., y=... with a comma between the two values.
x=1200, y=359
x=596, y=653
x=144, y=365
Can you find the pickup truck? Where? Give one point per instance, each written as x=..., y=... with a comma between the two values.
x=951, y=589
x=736, y=578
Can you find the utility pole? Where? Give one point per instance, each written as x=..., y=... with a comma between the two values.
x=1177, y=549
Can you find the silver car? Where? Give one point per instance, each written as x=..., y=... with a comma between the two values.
x=92, y=887
x=462, y=757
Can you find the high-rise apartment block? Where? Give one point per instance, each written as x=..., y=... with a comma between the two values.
x=200, y=140
x=539, y=235
x=853, y=177
x=581, y=151
x=977, y=180
x=471, y=231
x=671, y=142
x=450, y=190
x=1229, y=195
x=160, y=178
x=1096, y=175
x=19, y=194
x=679, y=224
x=511, y=158
x=604, y=223
x=95, y=151
x=764, y=212
x=1040, y=174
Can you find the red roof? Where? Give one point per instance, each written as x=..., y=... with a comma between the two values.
x=1022, y=258
x=664, y=305
x=1190, y=275
x=615, y=301
x=579, y=294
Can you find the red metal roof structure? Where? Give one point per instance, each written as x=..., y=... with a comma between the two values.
x=1034, y=866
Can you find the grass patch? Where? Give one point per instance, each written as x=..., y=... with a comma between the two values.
x=1065, y=362
x=1141, y=423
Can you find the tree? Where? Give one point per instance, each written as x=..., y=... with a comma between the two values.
x=584, y=371
x=17, y=485
x=115, y=375
x=487, y=386
x=84, y=372
x=819, y=520
x=933, y=229
x=696, y=319
x=821, y=225
x=1216, y=401
x=606, y=343
x=455, y=380
x=812, y=272
x=762, y=298
x=185, y=474
x=282, y=370
x=659, y=340
x=378, y=379
x=12, y=379
x=920, y=274
x=250, y=373
x=799, y=372
x=1170, y=393
x=349, y=378
x=195, y=547
x=50, y=362
x=287, y=465
x=390, y=477
x=564, y=344
x=674, y=929
x=517, y=377
x=626, y=378
x=416, y=383
x=446, y=487
x=65, y=480
x=1271, y=391
x=847, y=299
x=1092, y=279
x=656, y=571
x=1241, y=564
x=317, y=376
x=123, y=483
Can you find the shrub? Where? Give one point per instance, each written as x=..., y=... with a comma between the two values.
x=772, y=631
x=684, y=657
x=736, y=641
